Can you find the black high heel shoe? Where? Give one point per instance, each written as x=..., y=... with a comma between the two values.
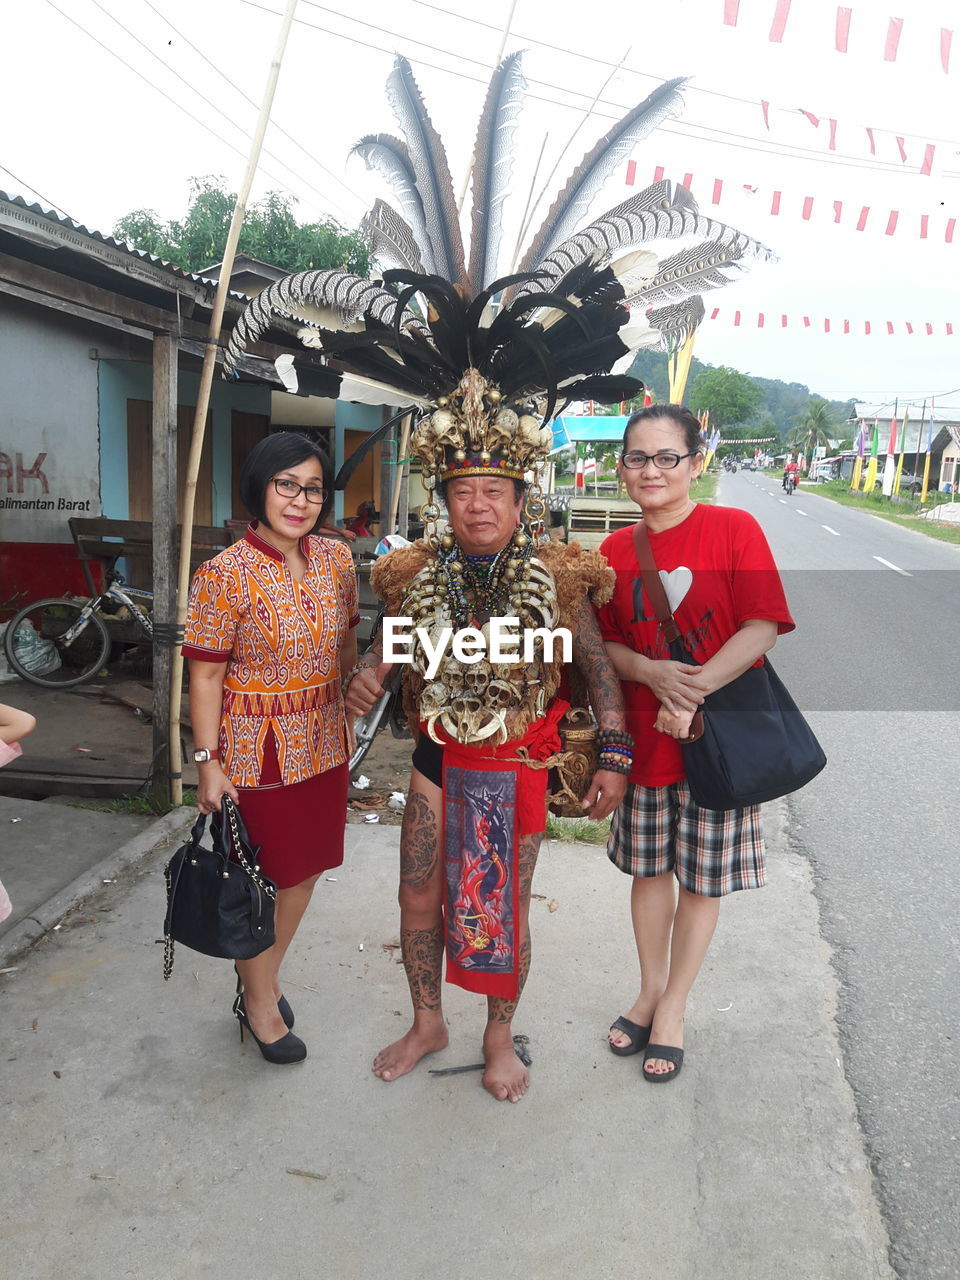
x=283, y=1005
x=287, y=1049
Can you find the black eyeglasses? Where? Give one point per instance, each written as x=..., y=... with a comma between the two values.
x=290, y=489
x=662, y=461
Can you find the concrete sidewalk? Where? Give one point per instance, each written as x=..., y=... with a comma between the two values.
x=145, y=1142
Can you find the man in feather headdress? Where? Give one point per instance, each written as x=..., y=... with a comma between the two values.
x=484, y=361
x=487, y=731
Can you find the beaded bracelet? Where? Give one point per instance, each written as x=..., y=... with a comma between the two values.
x=618, y=765
x=354, y=671
x=614, y=737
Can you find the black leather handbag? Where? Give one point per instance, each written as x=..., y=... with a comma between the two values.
x=218, y=900
x=749, y=743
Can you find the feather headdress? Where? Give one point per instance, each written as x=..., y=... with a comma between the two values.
x=487, y=356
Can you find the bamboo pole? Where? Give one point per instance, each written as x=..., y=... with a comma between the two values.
x=203, y=401
x=503, y=45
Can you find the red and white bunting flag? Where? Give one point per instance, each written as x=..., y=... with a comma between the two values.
x=867, y=327
x=951, y=227
x=826, y=326
x=846, y=326
x=717, y=189
x=909, y=326
x=873, y=142
x=893, y=40
x=578, y=475
x=731, y=12
x=765, y=108
x=837, y=210
x=714, y=313
x=631, y=172
x=946, y=40
x=760, y=320
x=843, y=29
x=775, y=203
x=832, y=144
x=783, y=322
x=862, y=220
x=949, y=330
x=889, y=326
x=736, y=319
x=752, y=190
x=927, y=159
x=929, y=328
x=902, y=149
x=892, y=222
x=806, y=322
x=807, y=208
x=780, y=16
x=814, y=120
x=688, y=181
x=658, y=173
x=924, y=223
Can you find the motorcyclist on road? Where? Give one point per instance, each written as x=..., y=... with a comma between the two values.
x=791, y=474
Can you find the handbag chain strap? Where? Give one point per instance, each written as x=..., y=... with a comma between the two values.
x=252, y=871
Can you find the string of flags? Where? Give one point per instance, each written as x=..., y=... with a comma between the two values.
x=814, y=208
x=865, y=328
x=845, y=25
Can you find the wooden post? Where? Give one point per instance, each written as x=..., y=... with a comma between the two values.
x=164, y=431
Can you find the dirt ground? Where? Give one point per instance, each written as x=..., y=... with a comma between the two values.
x=387, y=765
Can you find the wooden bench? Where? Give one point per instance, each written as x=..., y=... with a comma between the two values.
x=102, y=541
x=593, y=519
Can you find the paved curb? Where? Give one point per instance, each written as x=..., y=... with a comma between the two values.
x=159, y=835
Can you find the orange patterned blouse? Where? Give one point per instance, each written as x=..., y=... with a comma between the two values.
x=281, y=641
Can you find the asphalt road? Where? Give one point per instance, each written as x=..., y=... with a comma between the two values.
x=873, y=664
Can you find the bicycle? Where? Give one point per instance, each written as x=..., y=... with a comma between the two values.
x=388, y=709
x=60, y=643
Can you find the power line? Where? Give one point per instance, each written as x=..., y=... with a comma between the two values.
x=48, y=202
x=644, y=75
x=203, y=98
x=718, y=137
x=253, y=102
x=164, y=94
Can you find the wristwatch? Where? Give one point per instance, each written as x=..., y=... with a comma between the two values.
x=202, y=755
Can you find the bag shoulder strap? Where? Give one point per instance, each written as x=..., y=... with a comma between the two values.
x=653, y=583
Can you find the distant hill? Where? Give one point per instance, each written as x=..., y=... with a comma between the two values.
x=783, y=402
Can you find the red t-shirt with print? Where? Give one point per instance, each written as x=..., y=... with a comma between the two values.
x=718, y=572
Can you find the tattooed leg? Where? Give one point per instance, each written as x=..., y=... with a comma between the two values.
x=421, y=930
x=506, y=1078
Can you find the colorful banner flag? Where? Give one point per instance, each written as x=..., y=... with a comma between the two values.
x=889, y=463
x=901, y=451
x=926, y=461
x=858, y=464
x=871, y=477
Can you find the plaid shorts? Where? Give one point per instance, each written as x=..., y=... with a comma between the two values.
x=712, y=852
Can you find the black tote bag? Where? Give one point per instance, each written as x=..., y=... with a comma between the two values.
x=218, y=901
x=750, y=742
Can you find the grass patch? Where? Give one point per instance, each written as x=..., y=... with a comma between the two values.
x=578, y=830
x=704, y=488
x=139, y=805
x=875, y=504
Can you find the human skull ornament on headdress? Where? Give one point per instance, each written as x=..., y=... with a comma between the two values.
x=473, y=433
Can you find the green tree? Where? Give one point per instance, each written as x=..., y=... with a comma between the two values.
x=270, y=232
x=818, y=426
x=731, y=397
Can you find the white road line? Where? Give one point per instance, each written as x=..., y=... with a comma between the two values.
x=895, y=568
x=829, y=530
x=800, y=513
x=784, y=501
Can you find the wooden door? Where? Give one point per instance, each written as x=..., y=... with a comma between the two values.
x=246, y=430
x=139, y=463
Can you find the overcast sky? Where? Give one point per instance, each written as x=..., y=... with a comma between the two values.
x=85, y=131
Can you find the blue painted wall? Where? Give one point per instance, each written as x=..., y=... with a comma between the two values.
x=123, y=380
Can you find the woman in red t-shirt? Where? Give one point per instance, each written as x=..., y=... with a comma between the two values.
x=726, y=595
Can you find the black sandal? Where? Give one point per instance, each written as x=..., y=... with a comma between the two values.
x=638, y=1037
x=669, y=1053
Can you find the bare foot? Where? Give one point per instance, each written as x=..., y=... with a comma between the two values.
x=667, y=1030
x=641, y=1012
x=404, y=1054
x=506, y=1078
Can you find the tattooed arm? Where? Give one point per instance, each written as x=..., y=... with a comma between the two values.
x=606, y=787
x=590, y=655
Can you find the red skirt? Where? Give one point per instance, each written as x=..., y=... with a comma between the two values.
x=299, y=828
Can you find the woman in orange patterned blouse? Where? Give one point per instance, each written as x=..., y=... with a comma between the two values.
x=270, y=633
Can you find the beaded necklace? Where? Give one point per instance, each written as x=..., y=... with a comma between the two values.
x=481, y=586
